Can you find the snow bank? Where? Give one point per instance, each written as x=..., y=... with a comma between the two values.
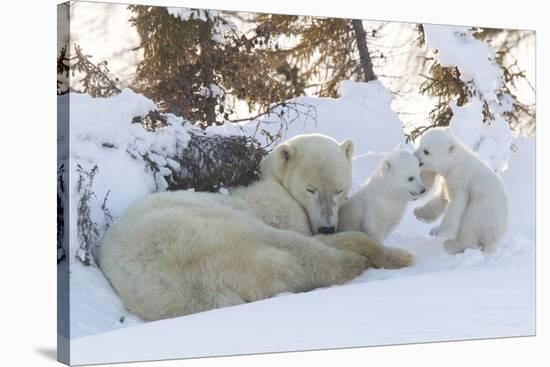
x=362, y=112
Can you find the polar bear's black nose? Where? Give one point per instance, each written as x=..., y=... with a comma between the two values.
x=423, y=191
x=326, y=230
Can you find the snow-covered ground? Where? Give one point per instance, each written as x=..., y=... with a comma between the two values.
x=441, y=297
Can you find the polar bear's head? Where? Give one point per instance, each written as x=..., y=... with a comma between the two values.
x=401, y=172
x=316, y=171
x=436, y=150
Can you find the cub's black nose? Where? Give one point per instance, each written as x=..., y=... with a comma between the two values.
x=423, y=191
x=420, y=164
x=326, y=230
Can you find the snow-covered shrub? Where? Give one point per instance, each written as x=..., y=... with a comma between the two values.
x=61, y=252
x=88, y=230
x=210, y=163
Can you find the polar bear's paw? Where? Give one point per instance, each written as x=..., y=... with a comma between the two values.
x=452, y=247
x=397, y=258
x=441, y=232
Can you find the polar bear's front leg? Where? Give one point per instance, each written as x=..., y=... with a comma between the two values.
x=323, y=265
x=379, y=256
x=450, y=223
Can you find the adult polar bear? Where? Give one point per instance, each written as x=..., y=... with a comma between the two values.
x=177, y=253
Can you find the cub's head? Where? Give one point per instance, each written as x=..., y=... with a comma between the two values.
x=316, y=171
x=436, y=150
x=403, y=172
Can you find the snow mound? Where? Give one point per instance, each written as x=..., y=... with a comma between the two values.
x=362, y=112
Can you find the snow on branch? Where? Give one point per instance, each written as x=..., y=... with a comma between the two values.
x=470, y=92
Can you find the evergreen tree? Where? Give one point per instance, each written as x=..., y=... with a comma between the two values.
x=506, y=43
x=445, y=84
x=197, y=65
x=325, y=50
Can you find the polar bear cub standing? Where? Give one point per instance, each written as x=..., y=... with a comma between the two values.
x=379, y=205
x=477, y=211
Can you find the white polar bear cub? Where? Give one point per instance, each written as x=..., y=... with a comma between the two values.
x=477, y=210
x=176, y=253
x=378, y=206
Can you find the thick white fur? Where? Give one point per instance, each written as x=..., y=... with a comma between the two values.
x=378, y=206
x=473, y=197
x=177, y=253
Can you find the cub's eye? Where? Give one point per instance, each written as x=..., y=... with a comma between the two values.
x=426, y=152
x=410, y=179
x=311, y=191
x=339, y=192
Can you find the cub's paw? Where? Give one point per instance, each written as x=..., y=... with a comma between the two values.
x=424, y=214
x=396, y=258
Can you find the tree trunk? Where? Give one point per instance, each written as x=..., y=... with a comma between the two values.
x=364, y=56
x=211, y=111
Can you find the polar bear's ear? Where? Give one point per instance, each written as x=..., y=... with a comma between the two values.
x=286, y=153
x=275, y=163
x=451, y=148
x=347, y=146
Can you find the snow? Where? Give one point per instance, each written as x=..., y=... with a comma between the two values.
x=490, y=141
x=475, y=59
x=362, y=112
x=187, y=13
x=401, y=310
x=440, y=297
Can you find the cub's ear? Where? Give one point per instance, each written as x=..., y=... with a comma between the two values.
x=347, y=147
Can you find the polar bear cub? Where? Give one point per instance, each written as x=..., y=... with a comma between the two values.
x=476, y=214
x=379, y=205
